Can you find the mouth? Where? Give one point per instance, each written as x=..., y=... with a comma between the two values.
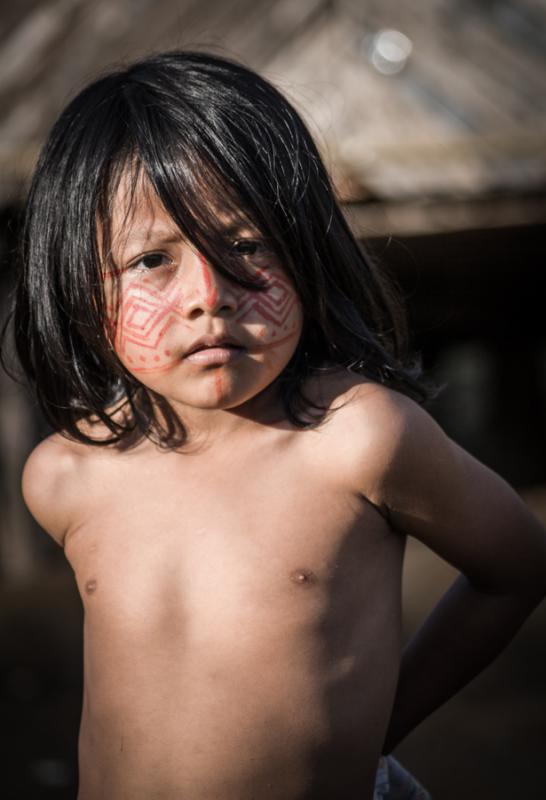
x=209, y=350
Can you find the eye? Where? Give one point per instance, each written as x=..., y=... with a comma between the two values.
x=249, y=247
x=151, y=261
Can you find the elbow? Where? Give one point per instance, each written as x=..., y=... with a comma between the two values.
x=526, y=589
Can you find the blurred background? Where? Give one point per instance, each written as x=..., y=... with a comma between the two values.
x=431, y=115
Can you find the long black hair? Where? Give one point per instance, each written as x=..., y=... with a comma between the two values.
x=200, y=129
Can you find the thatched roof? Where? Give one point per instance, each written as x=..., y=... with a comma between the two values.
x=409, y=101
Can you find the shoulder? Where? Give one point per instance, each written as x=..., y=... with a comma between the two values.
x=394, y=454
x=380, y=435
x=54, y=481
x=391, y=423
x=380, y=416
x=378, y=409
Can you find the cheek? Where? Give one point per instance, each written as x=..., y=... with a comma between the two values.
x=145, y=318
x=275, y=314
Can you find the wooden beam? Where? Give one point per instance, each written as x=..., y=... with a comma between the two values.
x=369, y=220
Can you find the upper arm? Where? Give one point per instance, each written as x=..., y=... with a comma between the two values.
x=48, y=486
x=437, y=492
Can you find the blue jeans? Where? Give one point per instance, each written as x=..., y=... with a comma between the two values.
x=393, y=782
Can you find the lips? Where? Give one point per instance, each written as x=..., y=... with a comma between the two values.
x=213, y=351
x=212, y=342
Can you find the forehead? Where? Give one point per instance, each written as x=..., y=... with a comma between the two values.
x=137, y=214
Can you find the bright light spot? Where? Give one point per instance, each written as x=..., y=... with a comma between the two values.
x=390, y=51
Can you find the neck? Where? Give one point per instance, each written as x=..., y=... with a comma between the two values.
x=208, y=426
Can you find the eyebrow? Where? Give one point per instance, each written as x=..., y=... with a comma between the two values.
x=166, y=237
x=172, y=237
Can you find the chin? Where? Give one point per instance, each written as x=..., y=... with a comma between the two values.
x=219, y=392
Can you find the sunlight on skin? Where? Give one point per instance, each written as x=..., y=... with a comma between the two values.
x=148, y=310
x=170, y=296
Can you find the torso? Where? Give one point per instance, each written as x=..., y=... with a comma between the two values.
x=242, y=616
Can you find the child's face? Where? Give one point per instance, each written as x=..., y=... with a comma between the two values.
x=185, y=331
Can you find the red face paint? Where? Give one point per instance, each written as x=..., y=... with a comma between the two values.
x=147, y=312
x=154, y=328
x=211, y=296
x=145, y=317
x=274, y=310
x=169, y=296
x=274, y=305
x=219, y=384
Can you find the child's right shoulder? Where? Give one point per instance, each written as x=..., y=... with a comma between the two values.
x=54, y=482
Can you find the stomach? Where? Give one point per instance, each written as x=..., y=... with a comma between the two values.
x=281, y=710
x=215, y=671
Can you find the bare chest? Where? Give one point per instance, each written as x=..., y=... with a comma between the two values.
x=235, y=596
x=254, y=544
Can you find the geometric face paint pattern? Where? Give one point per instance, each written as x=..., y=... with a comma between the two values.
x=273, y=305
x=146, y=315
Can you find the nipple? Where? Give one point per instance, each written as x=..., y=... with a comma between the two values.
x=303, y=577
x=91, y=586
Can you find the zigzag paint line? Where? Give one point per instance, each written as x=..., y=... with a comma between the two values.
x=274, y=312
x=274, y=309
x=141, y=341
x=154, y=311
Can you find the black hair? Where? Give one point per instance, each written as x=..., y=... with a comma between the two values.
x=198, y=127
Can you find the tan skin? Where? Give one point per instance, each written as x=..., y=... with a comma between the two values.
x=242, y=599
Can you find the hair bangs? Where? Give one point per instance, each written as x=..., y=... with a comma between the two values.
x=203, y=170
x=228, y=157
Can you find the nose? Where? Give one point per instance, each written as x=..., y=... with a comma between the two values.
x=207, y=292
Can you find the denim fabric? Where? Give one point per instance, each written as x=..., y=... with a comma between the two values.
x=393, y=782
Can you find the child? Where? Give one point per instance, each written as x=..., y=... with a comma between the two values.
x=239, y=455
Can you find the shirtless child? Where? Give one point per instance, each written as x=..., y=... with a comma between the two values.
x=239, y=454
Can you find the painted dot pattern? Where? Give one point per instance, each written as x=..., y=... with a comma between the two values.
x=148, y=314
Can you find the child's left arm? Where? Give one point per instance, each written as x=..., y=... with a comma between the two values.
x=440, y=494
